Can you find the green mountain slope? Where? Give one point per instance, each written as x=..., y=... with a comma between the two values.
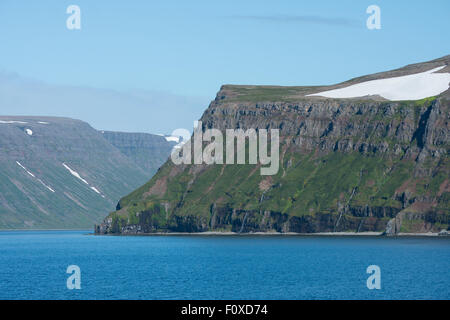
x=365, y=164
x=60, y=173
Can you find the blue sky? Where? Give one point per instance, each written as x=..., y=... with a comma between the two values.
x=190, y=48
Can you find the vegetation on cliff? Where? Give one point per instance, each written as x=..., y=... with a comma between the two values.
x=363, y=164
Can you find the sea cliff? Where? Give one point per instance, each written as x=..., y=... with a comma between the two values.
x=346, y=165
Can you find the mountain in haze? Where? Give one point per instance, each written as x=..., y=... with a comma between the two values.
x=62, y=173
x=369, y=154
x=147, y=151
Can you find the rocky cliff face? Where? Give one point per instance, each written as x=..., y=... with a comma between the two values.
x=363, y=164
x=147, y=151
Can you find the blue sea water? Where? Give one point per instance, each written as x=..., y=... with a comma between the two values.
x=33, y=266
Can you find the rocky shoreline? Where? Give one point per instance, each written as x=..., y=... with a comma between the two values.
x=443, y=233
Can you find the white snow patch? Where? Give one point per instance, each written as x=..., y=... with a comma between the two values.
x=74, y=173
x=171, y=138
x=411, y=87
x=42, y=122
x=77, y=175
x=25, y=169
x=12, y=121
x=96, y=190
x=29, y=132
x=31, y=174
x=48, y=187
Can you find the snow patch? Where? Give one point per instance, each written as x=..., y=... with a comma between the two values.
x=411, y=87
x=96, y=190
x=31, y=174
x=74, y=173
x=171, y=138
x=77, y=175
x=25, y=169
x=48, y=187
x=29, y=132
x=12, y=121
x=42, y=122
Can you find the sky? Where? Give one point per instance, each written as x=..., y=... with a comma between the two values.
x=154, y=66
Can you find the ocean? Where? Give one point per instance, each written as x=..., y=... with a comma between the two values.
x=33, y=265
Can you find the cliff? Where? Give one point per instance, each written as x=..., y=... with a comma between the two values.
x=348, y=164
x=147, y=151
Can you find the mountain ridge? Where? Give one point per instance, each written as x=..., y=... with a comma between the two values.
x=273, y=93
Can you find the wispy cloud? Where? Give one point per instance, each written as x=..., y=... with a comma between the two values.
x=305, y=19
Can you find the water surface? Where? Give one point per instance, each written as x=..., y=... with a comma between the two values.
x=33, y=266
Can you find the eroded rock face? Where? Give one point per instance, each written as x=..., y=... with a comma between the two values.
x=335, y=125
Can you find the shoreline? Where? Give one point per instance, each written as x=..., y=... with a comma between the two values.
x=262, y=234
x=80, y=229
x=291, y=234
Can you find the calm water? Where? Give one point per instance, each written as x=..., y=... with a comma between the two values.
x=33, y=266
